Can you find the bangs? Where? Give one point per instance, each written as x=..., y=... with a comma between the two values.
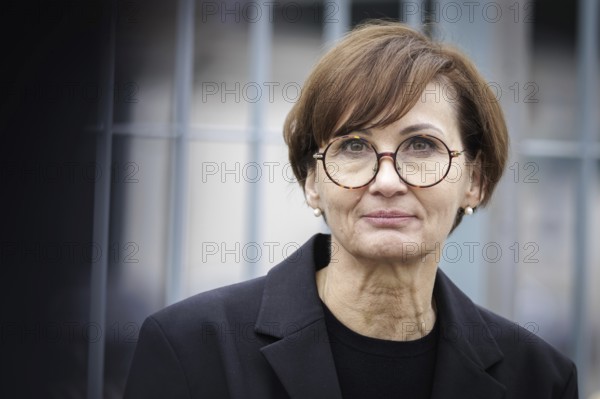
x=372, y=85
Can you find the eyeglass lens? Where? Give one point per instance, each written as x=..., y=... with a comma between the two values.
x=420, y=161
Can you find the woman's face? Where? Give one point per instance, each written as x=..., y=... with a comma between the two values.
x=389, y=220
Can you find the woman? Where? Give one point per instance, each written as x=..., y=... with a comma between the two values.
x=393, y=140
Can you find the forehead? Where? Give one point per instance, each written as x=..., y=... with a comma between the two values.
x=435, y=107
x=438, y=93
x=434, y=112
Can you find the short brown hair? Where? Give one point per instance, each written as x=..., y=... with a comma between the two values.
x=374, y=76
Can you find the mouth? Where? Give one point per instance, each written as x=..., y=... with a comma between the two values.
x=388, y=218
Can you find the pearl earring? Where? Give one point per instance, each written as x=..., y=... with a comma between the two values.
x=317, y=212
x=468, y=210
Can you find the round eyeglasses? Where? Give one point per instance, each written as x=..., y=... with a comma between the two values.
x=353, y=162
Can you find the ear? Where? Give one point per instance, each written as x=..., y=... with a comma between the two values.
x=475, y=190
x=311, y=190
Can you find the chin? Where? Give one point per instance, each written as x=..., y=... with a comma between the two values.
x=390, y=245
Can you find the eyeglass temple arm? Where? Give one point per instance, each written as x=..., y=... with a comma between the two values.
x=318, y=155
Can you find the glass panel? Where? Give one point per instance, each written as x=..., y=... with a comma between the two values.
x=222, y=90
x=289, y=221
x=545, y=247
x=551, y=91
x=593, y=292
x=219, y=183
x=296, y=48
x=145, y=61
x=138, y=247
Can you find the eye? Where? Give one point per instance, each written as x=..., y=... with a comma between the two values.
x=354, y=145
x=420, y=145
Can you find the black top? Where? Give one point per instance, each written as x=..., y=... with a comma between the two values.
x=375, y=368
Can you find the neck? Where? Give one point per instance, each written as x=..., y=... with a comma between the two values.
x=385, y=300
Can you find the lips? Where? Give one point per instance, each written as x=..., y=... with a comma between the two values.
x=388, y=214
x=389, y=218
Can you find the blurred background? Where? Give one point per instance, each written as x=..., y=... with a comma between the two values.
x=143, y=162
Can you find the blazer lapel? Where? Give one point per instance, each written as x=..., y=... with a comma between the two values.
x=291, y=311
x=304, y=363
x=466, y=348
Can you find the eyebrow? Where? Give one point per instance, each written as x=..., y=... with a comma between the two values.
x=420, y=126
x=409, y=129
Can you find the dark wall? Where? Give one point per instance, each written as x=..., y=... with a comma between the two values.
x=50, y=93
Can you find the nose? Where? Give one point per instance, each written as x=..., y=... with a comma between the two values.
x=387, y=181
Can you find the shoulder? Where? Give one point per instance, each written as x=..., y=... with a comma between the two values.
x=525, y=353
x=235, y=306
x=513, y=337
x=237, y=303
x=487, y=332
x=512, y=354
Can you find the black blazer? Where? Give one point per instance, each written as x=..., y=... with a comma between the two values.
x=266, y=338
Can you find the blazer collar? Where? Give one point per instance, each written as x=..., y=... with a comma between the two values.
x=466, y=348
x=291, y=310
x=302, y=358
x=290, y=299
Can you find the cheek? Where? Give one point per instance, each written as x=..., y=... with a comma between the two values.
x=338, y=202
x=442, y=205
